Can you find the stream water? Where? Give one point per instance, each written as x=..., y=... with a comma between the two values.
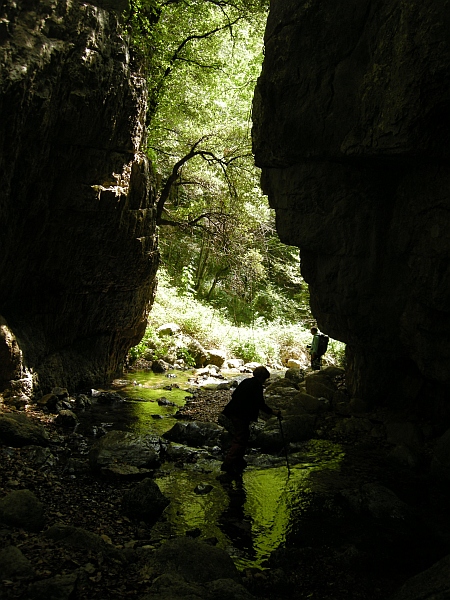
x=251, y=517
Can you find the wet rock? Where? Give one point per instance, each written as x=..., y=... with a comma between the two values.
x=60, y=587
x=18, y=430
x=14, y=564
x=295, y=428
x=165, y=402
x=182, y=453
x=203, y=488
x=107, y=397
x=432, y=584
x=377, y=501
x=122, y=449
x=48, y=401
x=195, y=433
x=22, y=509
x=145, y=502
x=404, y=456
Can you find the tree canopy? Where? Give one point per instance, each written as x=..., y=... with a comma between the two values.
x=218, y=237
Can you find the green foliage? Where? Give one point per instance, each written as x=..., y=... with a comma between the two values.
x=265, y=342
x=150, y=339
x=248, y=350
x=186, y=356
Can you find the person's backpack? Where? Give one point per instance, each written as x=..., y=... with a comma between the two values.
x=323, y=344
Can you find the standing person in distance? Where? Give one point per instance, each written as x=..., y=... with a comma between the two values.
x=243, y=408
x=316, y=362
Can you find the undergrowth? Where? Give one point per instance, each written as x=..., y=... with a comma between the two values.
x=271, y=343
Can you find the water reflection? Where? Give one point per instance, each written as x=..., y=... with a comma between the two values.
x=250, y=517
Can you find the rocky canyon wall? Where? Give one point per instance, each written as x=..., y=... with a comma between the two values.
x=78, y=250
x=352, y=132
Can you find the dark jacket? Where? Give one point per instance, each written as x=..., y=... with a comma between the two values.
x=247, y=400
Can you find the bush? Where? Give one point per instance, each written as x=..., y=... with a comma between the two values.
x=268, y=343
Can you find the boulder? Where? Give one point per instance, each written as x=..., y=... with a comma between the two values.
x=194, y=433
x=195, y=561
x=145, y=502
x=295, y=374
x=168, y=329
x=160, y=366
x=217, y=357
x=404, y=433
x=18, y=430
x=22, y=508
x=14, y=564
x=234, y=363
x=377, y=501
x=60, y=587
x=66, y=419
x=432, y=584
x=320, y=385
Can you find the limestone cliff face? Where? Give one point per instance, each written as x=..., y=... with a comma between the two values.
x=352, y=131
x=78, y=250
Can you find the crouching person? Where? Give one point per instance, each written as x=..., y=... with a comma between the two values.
x=246, y=402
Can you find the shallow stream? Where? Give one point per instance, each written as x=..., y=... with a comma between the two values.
x=251, y=517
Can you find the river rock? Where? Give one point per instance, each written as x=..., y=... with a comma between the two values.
x=22, y=508
x=321, y=385
x=60, y=587
x=81, y=539
x=194, y=560
x=145, y=502
x=217, y=357
x=120, y=448
x=194, y=433
x=378, y=501
x=168, y=329
x=174, y=587
x=296, y=375
x=14, y=564
x=18, y=430
x=66, y=419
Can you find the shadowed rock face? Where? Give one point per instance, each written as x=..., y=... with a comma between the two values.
x=352, y=132
x=78, y=250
